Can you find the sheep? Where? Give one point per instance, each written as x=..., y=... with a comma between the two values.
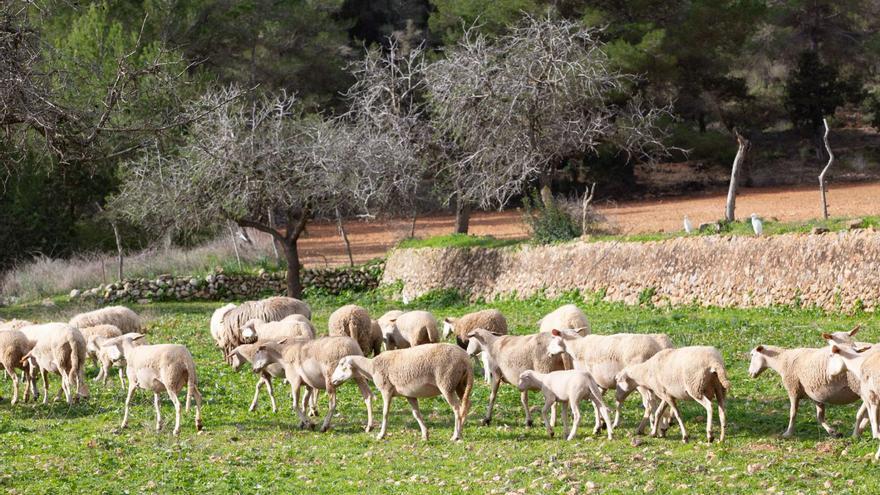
x=96, y=346
x=567, y=317
x=14, y=346
x=159, y=368
x=487, y=319
x=507, y=356
x=93, y=351
x=14, y=324
x=606, y=355
x=845, y=338
x=311, y=363
x=376, y=338
x=803, y=373
x=695, y=372
x=121, y=317
x=865, y=366
x=352, y=321
x=255, y=330
x=245, y=353
x=409, y=329
x=226, y=322
x=61, y=349
x=571, y=386
x=422, y=371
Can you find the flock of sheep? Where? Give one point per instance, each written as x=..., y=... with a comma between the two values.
x=563, y=361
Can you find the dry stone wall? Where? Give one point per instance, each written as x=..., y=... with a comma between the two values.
x=834, y=271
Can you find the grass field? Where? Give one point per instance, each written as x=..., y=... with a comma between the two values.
x=61, y=449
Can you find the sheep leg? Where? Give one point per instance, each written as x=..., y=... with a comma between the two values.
x=553, y=415
x=367, y=394
x=595, y=396
x=253, y=405
x=707, y=404
x=11, y=373
x=524, y=399
x=267, y=382
x=158, y=411
x=295, y=385
x=45, y=376
x=173, y=396
x=455, y=403
x=820, y=417
x=549, y=400
x=872, y=415
x=575, y=418
x=792, y=413
x=496, y=382
x=861, y=417
x=722, y=413
x=656, y=424
x=597, y=425
x=331, y=395
x=386, y=406
x=673, y=407
x=564, y=406
x=487, y=372
x=121, y=378
x=414, y=405
x=131, y=387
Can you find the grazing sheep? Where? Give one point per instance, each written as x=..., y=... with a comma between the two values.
x=14, y=324
x=96, y=346
x=696, y=373
x=603, y=356
x=566, y=386
x=803, y=373
x=90, y=333
x=487, y=319
x=422, y=371
x=121, y=317
x=865, y=366
x=352, y=321
x=14, y=346
x=567, y=317
x=507, y=356
x=311, y=363
x=61, y=349
x=245, y=353
x=409, y=329
x=226, y=323
x=376, y=338
x=158, y=368
x=255, y=330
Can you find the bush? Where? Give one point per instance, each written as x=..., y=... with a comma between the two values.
x=549, y=223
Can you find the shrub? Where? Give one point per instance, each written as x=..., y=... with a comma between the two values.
x=549, y=223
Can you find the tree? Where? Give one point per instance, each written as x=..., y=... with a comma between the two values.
x=250, y=162
x=516, y=107
x=815, y=90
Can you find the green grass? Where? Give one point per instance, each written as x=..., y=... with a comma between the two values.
x=79, y=449
x=456, y=241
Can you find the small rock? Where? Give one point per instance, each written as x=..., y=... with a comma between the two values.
x=48, y=303
x=74, y=293
x=855, y=223
x=819, y=230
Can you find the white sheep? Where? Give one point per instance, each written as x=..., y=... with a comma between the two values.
x=409, y=329
x=865, y=366
x=255, y=330
x=803, y=373
x=566, y=317
x=310, y=363
x=121, y=317
x=487, y=319
x=417, y=372
x=14, y=346
x=568, y=387
x=845, y=338
x=507, y=356
x=603, y=356
x=355, y=322
x=59, y=348
x=226, y=322
x=90, y=334
x=158, y=368
x=14, y=324
x=686, y=373
x=245, y=353
x=102, y=354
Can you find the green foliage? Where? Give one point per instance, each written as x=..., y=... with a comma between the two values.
x=712, y=147
x=549, y=223
x=456, y=241
x=491, y=16
x=815, y=90
x=245, y=452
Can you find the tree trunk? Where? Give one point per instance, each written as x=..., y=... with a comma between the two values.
x=291, y=254
x=544, y=181
x=743, y=145
x=462, y=217
x=274, y=240
x=118, y=248
x=234, y=245
x=825, y=170
x=344, y=235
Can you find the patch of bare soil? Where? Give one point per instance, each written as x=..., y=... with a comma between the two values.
x=323, y=246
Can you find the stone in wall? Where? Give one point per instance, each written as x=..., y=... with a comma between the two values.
x=835, y=271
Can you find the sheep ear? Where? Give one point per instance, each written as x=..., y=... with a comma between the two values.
x=855, y=330
x=835, y=349
x=392, y=321
x=555, y=332
x=137, y=337
x=449, y=320
x=282, y=341
x=760, y=348
x=863, y=349
x=827, y=336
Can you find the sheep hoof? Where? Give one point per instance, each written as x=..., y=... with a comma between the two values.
x=836, y=434
x=529, y=423
x=684, y=439
x=324, y=428
x=710, y=438
x=787, y=434
x=486, y=421
x=199, y=425
x=368, y=428
x=176, y=433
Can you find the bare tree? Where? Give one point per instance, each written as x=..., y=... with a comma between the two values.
x=822, y=189
x=742, y=148
x=245, y=160
x=518, y=106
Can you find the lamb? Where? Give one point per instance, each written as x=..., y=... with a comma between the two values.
x=61, y=349
x=226, y=322
x=159, y=368
x=352, y=321
x=93, y=349
x=696, y=373
x=96, y=346
x=566, y=386
x=255, y=330
x=865, y=366
x=422, y=371
x=311, y=363
x=14, y=346
x=245, y=353
x=845, y=338
x=507, y=356
x=803, y=373
x=567, y=317
x=487, y=319
x=409, y=329
x=121, y=317
x=603, y=356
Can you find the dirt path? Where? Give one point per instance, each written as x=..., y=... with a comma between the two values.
x=323, y=246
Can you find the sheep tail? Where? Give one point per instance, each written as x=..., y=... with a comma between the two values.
x=721, y=374
x=466, y=396
x=191, y=384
